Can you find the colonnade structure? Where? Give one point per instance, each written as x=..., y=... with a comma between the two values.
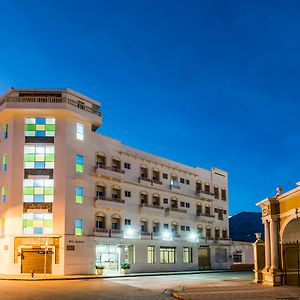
x=279, y=263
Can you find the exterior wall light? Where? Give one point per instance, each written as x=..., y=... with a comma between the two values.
x=166, y=235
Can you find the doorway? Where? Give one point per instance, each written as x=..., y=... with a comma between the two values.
x=34, y=260
x=109, y=257
x=204, y=257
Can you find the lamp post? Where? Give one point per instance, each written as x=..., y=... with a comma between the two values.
x=45, y=260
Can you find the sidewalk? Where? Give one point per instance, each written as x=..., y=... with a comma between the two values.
x=27, y=277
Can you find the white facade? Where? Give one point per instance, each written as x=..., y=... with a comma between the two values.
x=127, y=205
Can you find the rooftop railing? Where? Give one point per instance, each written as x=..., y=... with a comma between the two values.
x=49, y=99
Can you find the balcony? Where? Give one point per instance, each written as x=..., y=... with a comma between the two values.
x=116, y=233
x=110, y=172
x=56, y=100
x=208, y=218
x=174, y=187
x=109, y=202
x=176, y=212
x=101, y=232
x=152, y=210
x=145, y=235
x=205, y=195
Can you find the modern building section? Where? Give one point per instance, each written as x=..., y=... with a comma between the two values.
x=72, y=198
x=279, y=264
x=244, y=225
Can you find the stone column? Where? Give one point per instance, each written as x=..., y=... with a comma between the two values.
x=274, y=245
x=267, y=246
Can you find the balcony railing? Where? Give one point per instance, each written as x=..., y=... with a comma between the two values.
x=157, y=181
x=100, y=230
x=151, y=206
x=49, y=99
x=204, y=215
x=114, y=169
x=178, y=209
x=109, y=199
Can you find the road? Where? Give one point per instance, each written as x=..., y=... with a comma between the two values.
x=232, y=285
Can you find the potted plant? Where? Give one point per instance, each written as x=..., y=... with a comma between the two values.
x=125, y=266
x=99, y=269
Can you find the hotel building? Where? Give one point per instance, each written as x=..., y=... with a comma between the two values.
x=72, y=198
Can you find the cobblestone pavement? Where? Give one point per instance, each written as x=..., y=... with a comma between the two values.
x=230, y=285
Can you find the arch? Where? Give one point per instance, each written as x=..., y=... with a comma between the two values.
x=216, y=186
x=100, y=153
x=174, y=198
x=155, y=169
x=143, y=193
x=174, y=223
x=207, y=205
x=115, y=216
x=217, y=228
x=291, y=231
x=144, y=166
x=143, y=219
x=100, y=214
x=208, y=227
x=198, y=181
x=101, y=183
x=116, y=187
x=116, y=158
x=155, y=221
x=155, y=195
x=295, y=213
x=199, y=226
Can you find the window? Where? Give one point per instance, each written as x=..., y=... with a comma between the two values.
x=37, y=223
x=217, y=233
x=237, y=257
x=174, y=181
x=216, y=192
x=207, y=210
x=223, y=194
x=79, y=194
x=187, y=255
x=187, y=228
x=78, y=227
x=208, y=232
x=3, y=193
x=166, y=200
x=182, y=228
x=206, y=188
x=4, y=163
x=79, y=163
x=150, y=254
x=100, y=192
x=5, y=131
x=144, y=226
x=155, y=227
x=198, y=186
x=187, y=205
x=220, y=214
x=221, y=255
x=182, y=204
x=187, y=181
x=115, y=223
x=199, y=209
x=127, y=166
x=38, y=190
x=127, y=222
x=224, y=233
x=181, y=180
x=100, y=222
x=40, y=127
x=167, y=255
x=165, y=176
x=80, y=131
x=166, y=226
x=39, y=157
x=127, y=194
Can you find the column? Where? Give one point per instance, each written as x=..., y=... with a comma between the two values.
x=274, y=245
x=267, y=246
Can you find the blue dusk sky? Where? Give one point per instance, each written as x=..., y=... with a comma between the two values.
x=206, y=83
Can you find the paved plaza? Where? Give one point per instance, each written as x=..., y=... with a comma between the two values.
x=229, y=285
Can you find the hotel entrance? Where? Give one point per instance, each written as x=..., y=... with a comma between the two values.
x=109, y=257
